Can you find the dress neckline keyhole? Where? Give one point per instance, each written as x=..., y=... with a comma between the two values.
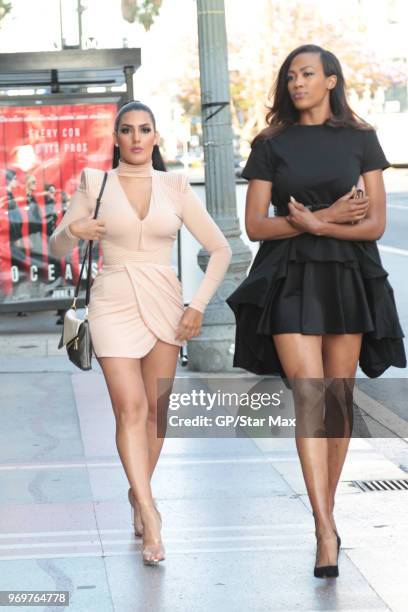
x=133, y=208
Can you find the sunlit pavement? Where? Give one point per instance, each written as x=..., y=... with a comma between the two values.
x=237, y=525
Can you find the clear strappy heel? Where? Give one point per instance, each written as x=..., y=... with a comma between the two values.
x=153, y=552
x=135, y=517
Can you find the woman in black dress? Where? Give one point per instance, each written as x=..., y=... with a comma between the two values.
x=317, y=300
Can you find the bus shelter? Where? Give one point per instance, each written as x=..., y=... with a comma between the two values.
x=56, y=117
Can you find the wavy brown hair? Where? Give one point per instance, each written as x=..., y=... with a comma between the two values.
x=283, y=112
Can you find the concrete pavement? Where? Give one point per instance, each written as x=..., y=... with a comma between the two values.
x=237, y=524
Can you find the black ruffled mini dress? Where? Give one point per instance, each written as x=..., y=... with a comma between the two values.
x=313, y=284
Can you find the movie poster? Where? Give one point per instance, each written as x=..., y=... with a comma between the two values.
x=42, y=152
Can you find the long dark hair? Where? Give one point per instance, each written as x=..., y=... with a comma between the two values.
x=135, y=105
x=283, y=112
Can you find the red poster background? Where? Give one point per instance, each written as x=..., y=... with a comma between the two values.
x=42, y=152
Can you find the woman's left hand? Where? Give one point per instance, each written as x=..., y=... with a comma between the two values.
x=302, y=219
x=190, y=324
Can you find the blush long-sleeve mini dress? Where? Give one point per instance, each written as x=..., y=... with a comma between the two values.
x=136, y=298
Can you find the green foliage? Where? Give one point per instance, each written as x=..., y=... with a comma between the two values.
x=143, y=11
x=256, y=58
x=5, y=8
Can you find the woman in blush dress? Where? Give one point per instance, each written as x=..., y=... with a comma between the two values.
x=136, y=315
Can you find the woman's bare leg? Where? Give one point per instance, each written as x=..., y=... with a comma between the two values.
x=301, y=359
x=129, y=402
x=130, y=405
x=340, y=358
x=158, y=365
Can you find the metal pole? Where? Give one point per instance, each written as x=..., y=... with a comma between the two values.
x=61, y=26
x=129, y=72
x=80, y=9
x=213, y=350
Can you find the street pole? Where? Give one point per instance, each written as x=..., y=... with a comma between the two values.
x=61, y=26
x=213, y=350
x=80, y=10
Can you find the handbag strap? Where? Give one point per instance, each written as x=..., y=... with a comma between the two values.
x=88, y=253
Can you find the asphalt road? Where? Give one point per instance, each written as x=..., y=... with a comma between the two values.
x=396, y=233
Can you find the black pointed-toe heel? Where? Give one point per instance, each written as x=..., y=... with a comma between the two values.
x=338, y=542
x=338, y=539
x=329, y=571
x=326, y=571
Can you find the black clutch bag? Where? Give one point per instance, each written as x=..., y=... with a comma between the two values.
x=75, y=333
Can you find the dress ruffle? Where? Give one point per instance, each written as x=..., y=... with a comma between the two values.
x=316, y=285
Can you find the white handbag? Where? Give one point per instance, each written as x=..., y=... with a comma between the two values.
x=75, y=333
x=72, y=324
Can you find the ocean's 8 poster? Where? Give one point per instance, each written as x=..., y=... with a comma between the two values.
x=43, y=149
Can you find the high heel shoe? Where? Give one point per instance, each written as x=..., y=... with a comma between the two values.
x=337, y=537
x=157, y=510
x=338, y=542
x=328, y=571
x=136, y=520
x=153, y=552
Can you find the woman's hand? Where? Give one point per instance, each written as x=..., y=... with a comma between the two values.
x=190, y=324
x=347, y=209
x=88, y=228
x=302, y=219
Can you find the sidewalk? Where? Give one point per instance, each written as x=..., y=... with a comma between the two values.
x=238, y=529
